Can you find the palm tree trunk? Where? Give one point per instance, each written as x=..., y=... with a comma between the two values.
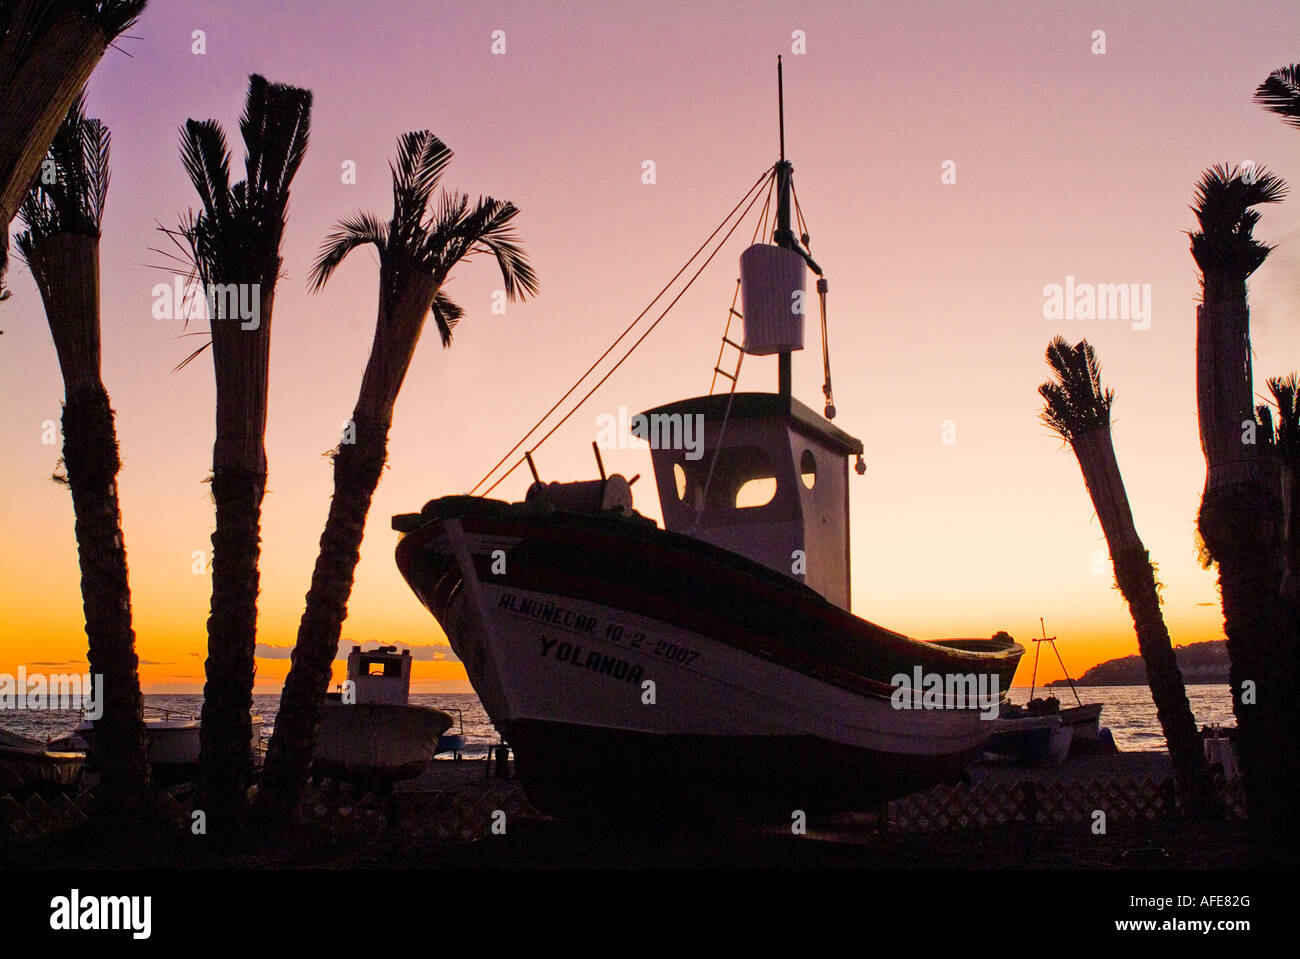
x=1137, y=582
x=1095, y=451
x=91, y=459
x=1240, y=522
x=66, y=269
x=357, y=469
x=225, y=765
x=238, y=485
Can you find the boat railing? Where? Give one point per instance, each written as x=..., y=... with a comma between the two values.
x=165, y=711
x=168, y=713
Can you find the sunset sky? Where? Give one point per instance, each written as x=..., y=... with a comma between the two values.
x=1068, y=163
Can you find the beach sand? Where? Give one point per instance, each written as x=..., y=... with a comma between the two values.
x=445, y=819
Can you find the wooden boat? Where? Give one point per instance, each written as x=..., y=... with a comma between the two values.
x=173, y=742
x=1083, y=719
x=29, y=765
x=1026, y=738
x=369, y=732
x=638, y=670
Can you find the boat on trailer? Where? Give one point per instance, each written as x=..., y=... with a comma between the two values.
x=369, y=731
x=714, y=662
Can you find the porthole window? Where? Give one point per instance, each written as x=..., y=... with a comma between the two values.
x=679, y=475
x=808, y=469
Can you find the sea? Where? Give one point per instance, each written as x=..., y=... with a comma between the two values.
x=1127, y=710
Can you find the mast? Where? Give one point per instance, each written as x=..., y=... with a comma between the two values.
x=783, y=235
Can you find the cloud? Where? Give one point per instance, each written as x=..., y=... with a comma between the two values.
x=427, y=653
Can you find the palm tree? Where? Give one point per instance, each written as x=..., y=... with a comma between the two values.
x=1077, y=408
x=61, y=247
x=1281, y=93
x=1240, y=519
x=1286, y=448
x=234, y=246
x=418, y=249
x=48, y=50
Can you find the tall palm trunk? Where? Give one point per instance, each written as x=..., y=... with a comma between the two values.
x=1077, y=408
x=61, y=247
x=1136, y=579
x=1240, y=519
x=234, y=244
x=357, y=470
x=48, y=50
x=239, y=471
x=66, y=268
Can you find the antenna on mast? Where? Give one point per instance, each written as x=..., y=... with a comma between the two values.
x=780, y=103
x=783, y=235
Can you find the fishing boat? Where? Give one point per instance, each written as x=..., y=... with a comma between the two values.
x=714, y=662
x=369, y=730
x=1028, y=738
x=1041, y=730
x=30, y=765
x=172, y=741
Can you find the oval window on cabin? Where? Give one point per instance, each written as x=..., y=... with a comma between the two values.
x=808, y=469
x=756, y=492
x=679, y=476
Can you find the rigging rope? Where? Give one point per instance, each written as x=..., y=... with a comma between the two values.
x=822, y=288
x=752, y=190
x=759, y=227
x=766, y=174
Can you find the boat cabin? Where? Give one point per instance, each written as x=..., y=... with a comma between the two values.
x=767, y=478
x=380, y=675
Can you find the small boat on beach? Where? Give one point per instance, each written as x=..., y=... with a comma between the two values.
x=714, y=662
x=1026, y=738
x=173, y=742
x=1041, y=731
x=29, y=765
x=369, y=731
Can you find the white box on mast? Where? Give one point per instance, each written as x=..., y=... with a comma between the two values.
x=772, y=297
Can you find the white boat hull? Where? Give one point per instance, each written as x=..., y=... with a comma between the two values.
x=599, y=702
x=376, y=741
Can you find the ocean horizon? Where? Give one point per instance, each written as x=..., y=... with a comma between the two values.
x=1128, y=711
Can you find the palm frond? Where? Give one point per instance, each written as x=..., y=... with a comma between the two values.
x=70, y=200
x=1225, y=193
x=489, y=225
x=275, y=127
x=1075, y=401
x=116, y=16
x=359, y=229
x=1224, y=197
x=446, y=315
x=1286, y=394
x=207, y=161
x=421, y=159
x=1281, y=94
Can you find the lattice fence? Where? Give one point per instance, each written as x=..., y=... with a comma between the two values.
x=997, y=802
x=442, y=814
